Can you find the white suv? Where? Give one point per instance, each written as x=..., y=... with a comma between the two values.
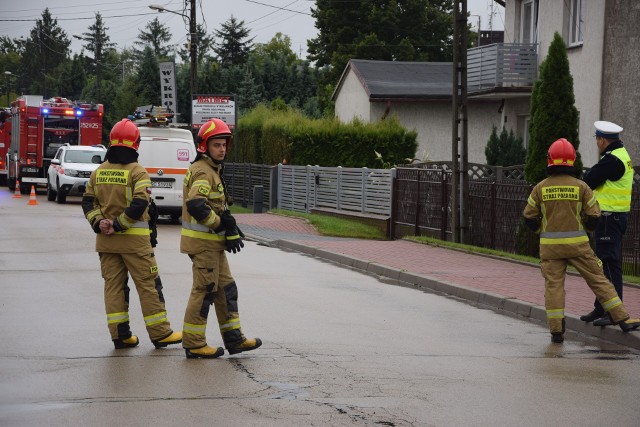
x=71, y=169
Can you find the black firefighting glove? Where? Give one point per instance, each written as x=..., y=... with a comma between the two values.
x=232, y=233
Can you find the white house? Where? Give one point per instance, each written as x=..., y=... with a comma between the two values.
x=604, y=58
x=419, y=94
x=602, y=47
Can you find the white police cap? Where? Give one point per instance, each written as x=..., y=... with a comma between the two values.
x=607, y=129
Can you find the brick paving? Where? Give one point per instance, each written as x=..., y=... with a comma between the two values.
x=518, y=281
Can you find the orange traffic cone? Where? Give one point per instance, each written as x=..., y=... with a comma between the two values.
x=16, y=193
x=32, y=196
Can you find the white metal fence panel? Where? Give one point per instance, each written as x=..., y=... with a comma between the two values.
x=362, y=190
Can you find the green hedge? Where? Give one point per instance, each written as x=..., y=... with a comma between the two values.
x=265, y=136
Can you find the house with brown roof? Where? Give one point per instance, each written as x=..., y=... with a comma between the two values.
x=419, y=95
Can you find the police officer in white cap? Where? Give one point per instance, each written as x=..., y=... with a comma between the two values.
x=612, y=178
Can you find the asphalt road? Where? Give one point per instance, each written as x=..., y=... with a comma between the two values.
x=340, y=347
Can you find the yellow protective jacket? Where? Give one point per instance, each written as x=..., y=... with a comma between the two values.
x=560, y=204
x=120, y=191
x=203, y=203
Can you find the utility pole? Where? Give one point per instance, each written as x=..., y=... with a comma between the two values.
x=98, y=59
x=194, y=51
x=459, y=125
x=43, y=62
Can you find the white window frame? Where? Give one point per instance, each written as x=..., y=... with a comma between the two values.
x=575, y=23
x=532, y=21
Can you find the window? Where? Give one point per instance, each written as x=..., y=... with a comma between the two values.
x=528, y=20
x=575, y=23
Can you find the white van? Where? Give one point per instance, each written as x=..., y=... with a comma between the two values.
x=166, y=153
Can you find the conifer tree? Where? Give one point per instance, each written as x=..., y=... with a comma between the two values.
x=235, y=46
x=504, y=149
x=553, y=113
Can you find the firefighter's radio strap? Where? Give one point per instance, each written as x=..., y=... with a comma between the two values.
x=153, y=223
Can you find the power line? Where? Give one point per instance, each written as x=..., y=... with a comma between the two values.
x=77, y=19
x=277, y=7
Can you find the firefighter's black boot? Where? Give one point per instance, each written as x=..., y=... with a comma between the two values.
x=590, y=317
x=174, y=338
x=205, y=352
x=247, y=345
x=557, y=337
x=629, y=325
x=603, y=321
x=132, y=341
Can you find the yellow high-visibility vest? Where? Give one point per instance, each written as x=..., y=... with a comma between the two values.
x=615, y=196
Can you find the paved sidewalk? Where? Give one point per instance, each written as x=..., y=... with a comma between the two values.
x=511, y=287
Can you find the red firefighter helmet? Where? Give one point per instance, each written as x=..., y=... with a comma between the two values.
x=561, y=153
x=214, y=128
x=125, y=133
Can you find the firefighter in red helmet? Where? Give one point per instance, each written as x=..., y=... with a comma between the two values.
x=561, y=208
x=208, y=229
x=116, y=203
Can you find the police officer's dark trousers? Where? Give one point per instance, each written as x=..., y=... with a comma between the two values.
x=608, y=238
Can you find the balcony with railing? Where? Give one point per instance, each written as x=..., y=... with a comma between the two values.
x=502, y=68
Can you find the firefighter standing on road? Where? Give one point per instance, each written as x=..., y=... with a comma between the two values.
x=612, y=178
x=208, y=229
x=116, y=205
x=561, y=207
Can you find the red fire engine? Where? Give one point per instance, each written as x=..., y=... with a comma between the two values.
x=39, y=127
x=5, y=141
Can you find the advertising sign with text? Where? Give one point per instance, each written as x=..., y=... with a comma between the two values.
x=205, y=107
x=168, y=86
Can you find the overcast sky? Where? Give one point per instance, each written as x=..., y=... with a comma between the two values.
x=124, y=19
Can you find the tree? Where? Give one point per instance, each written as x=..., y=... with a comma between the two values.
x=156, y=36
x=235, y=45
x=398, y=30
x=279, y=47
x=249, y=92
x=73, y=78
x=147, y=80
x=504, y=150
x=97, y=42
x=553, y=111
x=409, y=30
x=46, y=48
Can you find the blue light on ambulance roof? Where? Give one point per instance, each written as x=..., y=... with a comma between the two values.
x=45, y=111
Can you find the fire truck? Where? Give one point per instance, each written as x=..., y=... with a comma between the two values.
x=39, y=127
x=5, y=141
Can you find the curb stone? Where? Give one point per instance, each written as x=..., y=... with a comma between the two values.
x=499, y=303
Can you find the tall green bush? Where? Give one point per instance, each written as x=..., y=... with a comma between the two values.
x=271, y=136
x=553, y=113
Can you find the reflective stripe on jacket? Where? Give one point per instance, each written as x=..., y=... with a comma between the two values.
x=113, y=187
x=203, y=181
x=559, y=202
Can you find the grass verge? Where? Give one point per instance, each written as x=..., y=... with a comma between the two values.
x=336, y=227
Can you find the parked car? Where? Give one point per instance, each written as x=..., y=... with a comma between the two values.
x=70, y=170
x=166, y=153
